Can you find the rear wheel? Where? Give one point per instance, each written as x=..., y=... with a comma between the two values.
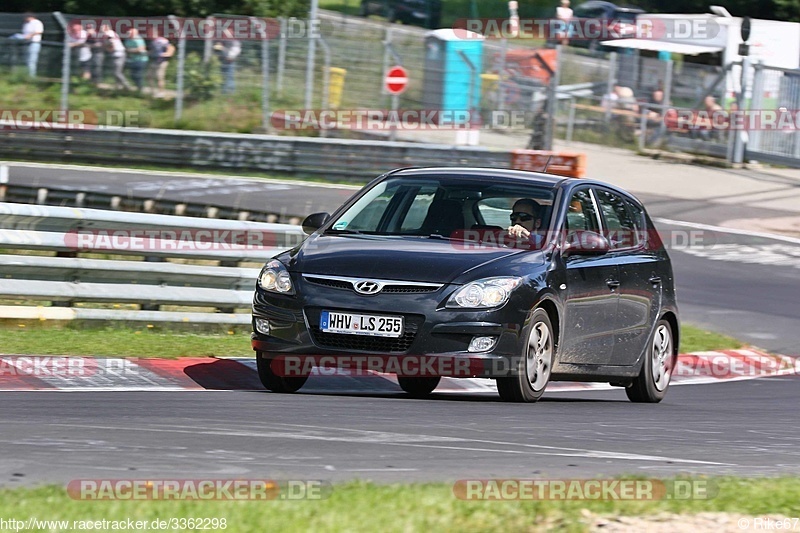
x=273, y=381
x=418, y=387
x=652, y=383
x=533, y=369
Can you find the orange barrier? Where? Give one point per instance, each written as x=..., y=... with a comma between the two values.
x=569, y=164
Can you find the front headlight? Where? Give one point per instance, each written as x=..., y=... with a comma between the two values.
x=484, y=293
x=275, y=278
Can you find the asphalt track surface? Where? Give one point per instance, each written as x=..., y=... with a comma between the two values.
x=746, y=428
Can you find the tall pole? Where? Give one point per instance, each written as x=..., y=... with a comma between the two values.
x=312, y=49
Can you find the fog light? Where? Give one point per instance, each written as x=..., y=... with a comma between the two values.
x=262, y=326
x=482, y=344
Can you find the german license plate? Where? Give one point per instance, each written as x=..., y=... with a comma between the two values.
x=357, y=324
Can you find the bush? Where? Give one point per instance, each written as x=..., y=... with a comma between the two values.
x=201, y=81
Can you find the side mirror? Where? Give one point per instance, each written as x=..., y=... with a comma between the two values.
x=586, y=243
x=314, y=221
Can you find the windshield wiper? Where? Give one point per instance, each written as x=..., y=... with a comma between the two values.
x=343, y=232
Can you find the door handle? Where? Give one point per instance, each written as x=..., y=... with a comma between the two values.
x=655, y=280
x=612, y=284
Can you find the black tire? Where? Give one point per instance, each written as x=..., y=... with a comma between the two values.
x=651, y=386
x=521, y=387
x=418, y=387
x=274, y=382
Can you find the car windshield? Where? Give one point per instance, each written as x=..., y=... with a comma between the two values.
x=443, y=206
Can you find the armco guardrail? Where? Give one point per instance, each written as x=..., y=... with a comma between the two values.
x=66, y=278
x=340, y=158
x=55, y=196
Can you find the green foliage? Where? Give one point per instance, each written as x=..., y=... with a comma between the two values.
x=787, y=10
x=201, y=80
x=181, y=8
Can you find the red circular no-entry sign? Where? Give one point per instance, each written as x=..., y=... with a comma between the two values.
x=396, y=80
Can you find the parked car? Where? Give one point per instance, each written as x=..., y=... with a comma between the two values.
x=422, y=263
x=617, y=22
x=425, y=13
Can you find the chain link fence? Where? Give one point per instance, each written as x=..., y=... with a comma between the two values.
x=620, y=98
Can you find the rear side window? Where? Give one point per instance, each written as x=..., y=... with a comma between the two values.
x=620, y=224
x=581, y=214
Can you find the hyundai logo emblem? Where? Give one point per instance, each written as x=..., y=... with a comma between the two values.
x=367, y=287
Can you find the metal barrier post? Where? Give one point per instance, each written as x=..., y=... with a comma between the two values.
x=311, y=59
x=326, y=76
x=181, y=63
x=669, y=67
x=738, y=141
x=264, y=74
x=571, y=119
x=388, y=51
x=612, y=78
x=757, y=103
x=65, y=61
x=643, y=126
x=552, y=100
x=282, y=54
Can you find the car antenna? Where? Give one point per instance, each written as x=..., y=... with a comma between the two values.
x=550, y=158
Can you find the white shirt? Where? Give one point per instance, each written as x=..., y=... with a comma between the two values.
x=563, y=13
x=118, y=49
x=84, y=54
x=34, y=27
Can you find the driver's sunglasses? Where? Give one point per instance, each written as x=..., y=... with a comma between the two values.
x=524, y=217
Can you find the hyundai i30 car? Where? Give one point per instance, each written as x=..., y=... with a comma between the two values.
x=516, y=276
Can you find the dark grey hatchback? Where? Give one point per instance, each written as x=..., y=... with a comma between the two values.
x=471, y=272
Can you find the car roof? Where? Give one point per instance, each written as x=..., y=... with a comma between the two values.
x=529, y=177
x=605, y=4
x=532, y=178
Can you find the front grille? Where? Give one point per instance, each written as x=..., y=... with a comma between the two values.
x=410, y=289
x=336, y=283
x=365, y=343
x=388, y=286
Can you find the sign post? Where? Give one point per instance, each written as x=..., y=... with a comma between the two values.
x=396, y=82
x=741, y=98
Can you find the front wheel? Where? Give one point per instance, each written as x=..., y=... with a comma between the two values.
x=273, y=381
x=532, y=371
x=651, y=385
x=418, y=387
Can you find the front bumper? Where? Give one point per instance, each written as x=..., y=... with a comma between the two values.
x=433, y=335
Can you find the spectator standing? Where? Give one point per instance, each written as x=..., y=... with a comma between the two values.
x=228, y=50
x=564, y=14
x=77, y=38
x=161, y=50
x=113, y=45
x=136, y=52
x=31, y=32
x=95, y=42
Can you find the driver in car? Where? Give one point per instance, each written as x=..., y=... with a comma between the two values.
x=526, y=219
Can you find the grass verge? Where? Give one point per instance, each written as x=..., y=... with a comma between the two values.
x=37, y=338
x=361, y=506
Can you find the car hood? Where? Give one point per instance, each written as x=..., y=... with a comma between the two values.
x=396, y=258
